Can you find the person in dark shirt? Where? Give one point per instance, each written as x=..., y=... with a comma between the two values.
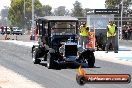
x=5, y=29
x=130, y=33
x=2, y=30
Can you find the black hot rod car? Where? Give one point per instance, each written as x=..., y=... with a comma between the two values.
x=58, y=42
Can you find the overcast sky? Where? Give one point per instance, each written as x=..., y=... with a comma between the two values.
x=98, y=4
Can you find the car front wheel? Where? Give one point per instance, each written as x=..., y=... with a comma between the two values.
x=91, y=60
x=50, y=61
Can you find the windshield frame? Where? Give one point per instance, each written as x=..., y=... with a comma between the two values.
x=70, y=27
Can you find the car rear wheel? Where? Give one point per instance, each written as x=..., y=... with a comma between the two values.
x=34, y=57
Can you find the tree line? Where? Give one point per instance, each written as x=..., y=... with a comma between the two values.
x=15, y=13
x=127, y=9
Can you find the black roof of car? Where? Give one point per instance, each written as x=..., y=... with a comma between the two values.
x=58, y=18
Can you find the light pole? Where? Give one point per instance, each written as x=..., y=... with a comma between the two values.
x=24, y=17
x=24, y=8
x=121, y=15
x=32, y=16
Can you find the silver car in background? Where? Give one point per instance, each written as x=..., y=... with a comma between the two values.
x=17, y=31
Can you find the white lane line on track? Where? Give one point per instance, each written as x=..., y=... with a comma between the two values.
x=111, y=58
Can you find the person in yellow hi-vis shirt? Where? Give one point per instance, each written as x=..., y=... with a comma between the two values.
x=111, y=36
x=84, y=35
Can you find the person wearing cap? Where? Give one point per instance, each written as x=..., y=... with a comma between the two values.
x=111, y=36
x=84, y=35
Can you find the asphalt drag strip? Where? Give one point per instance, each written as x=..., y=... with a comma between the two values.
x=18, y=59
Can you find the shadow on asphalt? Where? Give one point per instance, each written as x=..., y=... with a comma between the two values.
x=43, y=64
x=67, y=66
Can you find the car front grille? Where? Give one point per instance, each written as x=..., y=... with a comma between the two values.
x=70, y=50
